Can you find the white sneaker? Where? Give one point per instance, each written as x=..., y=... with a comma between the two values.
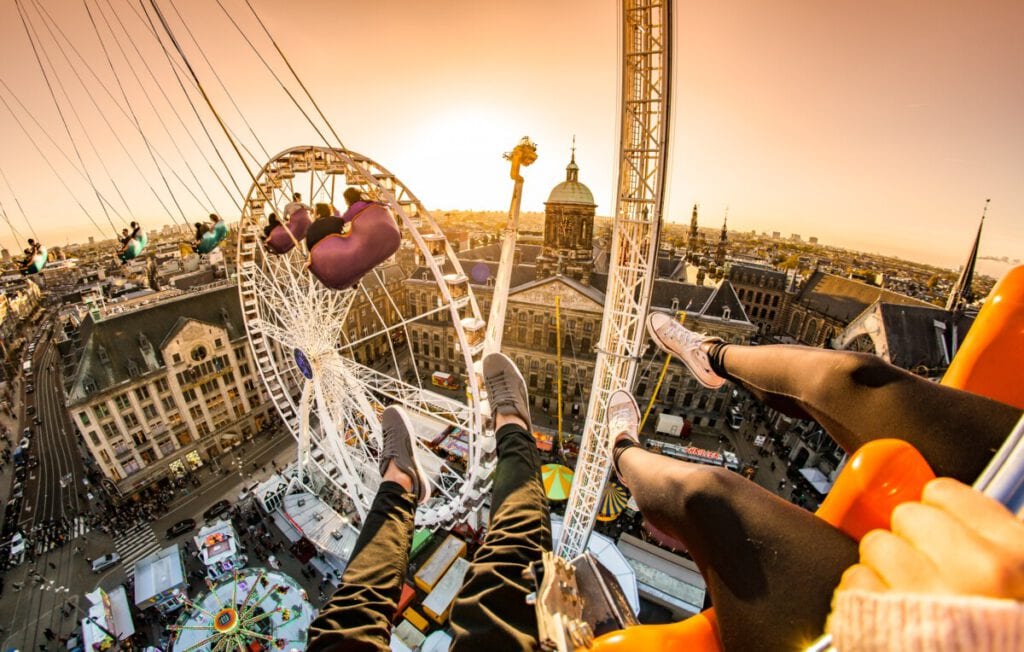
x=623, y=417
x=677, y=340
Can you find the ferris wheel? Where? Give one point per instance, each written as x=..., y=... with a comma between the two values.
x=331, y=360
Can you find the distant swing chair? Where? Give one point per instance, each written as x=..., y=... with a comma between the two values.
x=279, y=242
x=212, y=238
x=340, y=260
x=37, y=263
x=134, y=247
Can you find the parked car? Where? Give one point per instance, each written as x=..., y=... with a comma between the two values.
x=38, y=420
x=181, y=527
x=17, y=548
x=27, y=432
x=25, y=443
x=216, y=510
x=106, y=561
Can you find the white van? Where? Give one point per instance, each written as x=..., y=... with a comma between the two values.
x=106, y=561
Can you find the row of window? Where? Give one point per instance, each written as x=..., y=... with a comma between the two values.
x=765, y=298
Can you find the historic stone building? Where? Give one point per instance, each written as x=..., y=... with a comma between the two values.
x=167, y=388
x=568, y=229
x=561, y=272
x=763, y=293
x=826, y=304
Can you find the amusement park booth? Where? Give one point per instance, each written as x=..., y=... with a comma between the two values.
x=108, y=618
x=219, y=550
x=160, y=581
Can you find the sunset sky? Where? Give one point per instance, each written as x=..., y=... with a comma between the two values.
x=875, y=126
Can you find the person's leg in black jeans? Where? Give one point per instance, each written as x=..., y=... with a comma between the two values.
x=359, y=614
x=491, y=613
x=770, y=566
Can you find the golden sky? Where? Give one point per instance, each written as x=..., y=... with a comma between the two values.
x=876, y=126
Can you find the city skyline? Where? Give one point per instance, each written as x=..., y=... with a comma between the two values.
x=881, y=132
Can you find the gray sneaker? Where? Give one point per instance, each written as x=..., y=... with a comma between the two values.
x=675, y=339
x=506, y=389
x=398, y=446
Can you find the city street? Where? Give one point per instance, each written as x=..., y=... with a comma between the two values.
x=54, y=488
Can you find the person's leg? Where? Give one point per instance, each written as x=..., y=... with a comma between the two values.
x=770, y=566
x=856, y=397
x=491, y=611
x=358, y=615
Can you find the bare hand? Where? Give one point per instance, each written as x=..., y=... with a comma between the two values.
x=955, y=541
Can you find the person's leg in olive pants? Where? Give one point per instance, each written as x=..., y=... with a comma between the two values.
x=491, y=613
x=359, y=614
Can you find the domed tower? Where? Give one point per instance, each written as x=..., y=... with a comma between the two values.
x=568, y=228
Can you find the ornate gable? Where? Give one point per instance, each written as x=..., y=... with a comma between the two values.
x=574, y=296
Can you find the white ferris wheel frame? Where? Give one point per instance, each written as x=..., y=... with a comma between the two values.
x=329, y=402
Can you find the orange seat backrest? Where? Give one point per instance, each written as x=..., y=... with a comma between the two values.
x=991, y=357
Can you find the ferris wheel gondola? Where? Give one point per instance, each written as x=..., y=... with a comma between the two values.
x=332, y=358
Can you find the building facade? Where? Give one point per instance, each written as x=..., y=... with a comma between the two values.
x=763, y=294
x=163, y=390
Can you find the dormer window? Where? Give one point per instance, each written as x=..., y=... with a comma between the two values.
x=726, y=312
x=675, y=304
x=133, y=368
x=101, y=353
x=144, y=343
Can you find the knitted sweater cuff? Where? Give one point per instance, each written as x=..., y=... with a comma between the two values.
x=865, y=620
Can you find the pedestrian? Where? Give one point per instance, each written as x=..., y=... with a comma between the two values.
x=48, y=633
x=52, y=565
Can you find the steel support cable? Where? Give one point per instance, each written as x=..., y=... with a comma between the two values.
x=147, y=23
x=295, y=75
x=81, y=123
x=50, y=165
x=17, y=203
x=48, y=22
x=43, y=130
x=188, y=30
x=278, y=79
x=67, y=128
x=138, y=125
x=191, y=103
x=209, y=104
x=14, y=231
x=103, y=85
x=209, y=205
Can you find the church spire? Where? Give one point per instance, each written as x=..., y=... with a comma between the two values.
x=961, y=294
x=572, y=171
x=723, y=239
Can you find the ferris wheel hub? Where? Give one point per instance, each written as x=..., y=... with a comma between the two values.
x=302, y=362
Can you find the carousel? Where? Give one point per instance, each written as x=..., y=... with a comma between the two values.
x=254, y=610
